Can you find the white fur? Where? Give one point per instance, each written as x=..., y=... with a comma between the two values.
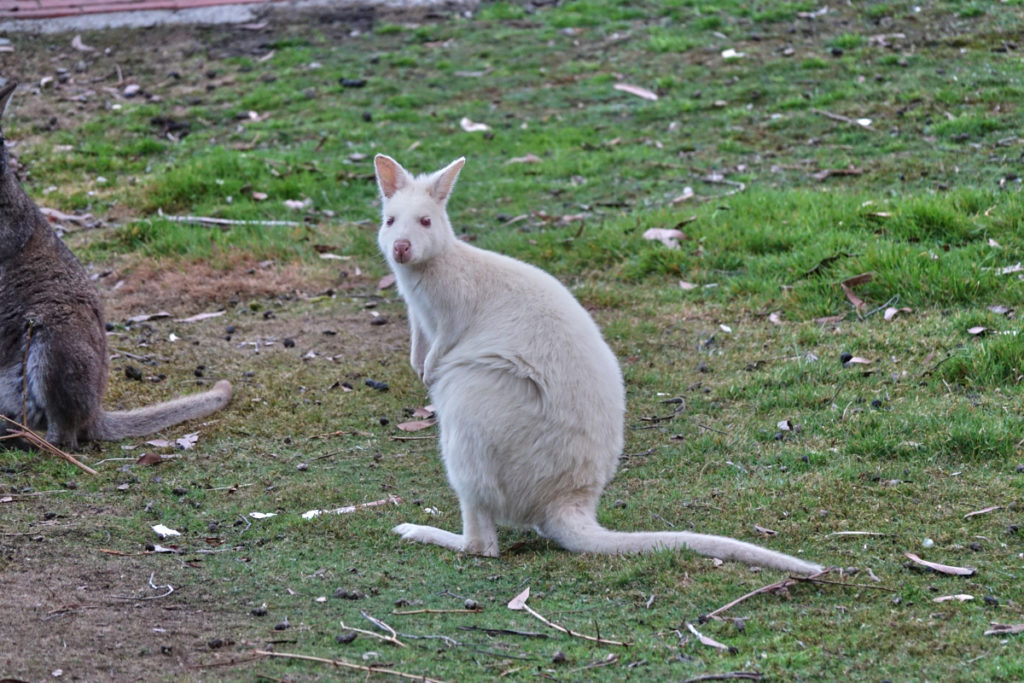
x=530, y=397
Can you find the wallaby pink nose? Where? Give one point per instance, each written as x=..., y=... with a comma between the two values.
x=402, y=250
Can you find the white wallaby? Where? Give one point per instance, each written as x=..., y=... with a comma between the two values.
x=530, y=396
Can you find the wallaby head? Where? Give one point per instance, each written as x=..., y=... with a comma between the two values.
x=415, y=226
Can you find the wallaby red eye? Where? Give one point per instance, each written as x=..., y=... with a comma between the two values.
x=425, y=221
x=390, y=220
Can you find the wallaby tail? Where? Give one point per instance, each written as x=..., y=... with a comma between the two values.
x=150, y=419
x=578, y=531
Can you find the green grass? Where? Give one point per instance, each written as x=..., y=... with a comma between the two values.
x=925, y=198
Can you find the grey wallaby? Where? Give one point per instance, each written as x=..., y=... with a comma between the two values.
x=53, y=343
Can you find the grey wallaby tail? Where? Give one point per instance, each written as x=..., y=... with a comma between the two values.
x=577, y=530
x=150, y=419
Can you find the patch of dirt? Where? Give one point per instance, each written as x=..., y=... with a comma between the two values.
x=148, y=287
x=98, y=618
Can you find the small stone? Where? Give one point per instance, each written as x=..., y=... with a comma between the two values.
x=230, y=329
x=471, y=604
x=558, y=658
x=374, y=384
x=353, y=82
x=132, y=372
x=215, y=644
x=844, y=357
x=288, y=342
x=346, y=594
x=302, y=467
x=927, y=543
x=260, y=611
x=345, y=638
x=283, y=625
x=384, y=422
x=1020, y=468
x=991, y=600
x=267, y=315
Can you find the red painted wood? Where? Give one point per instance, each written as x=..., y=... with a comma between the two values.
x=45, y=9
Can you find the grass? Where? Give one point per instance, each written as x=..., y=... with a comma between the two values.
x=925, y=197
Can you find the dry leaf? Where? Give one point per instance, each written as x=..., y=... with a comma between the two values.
x=999, y=309
x=892, y=312
x=775, y=318
x=159, y=443
x=417, y=426
x=667, y=236
x=472, y=127
x=77, y=43
x=784, y=426
x=636, y=90
x=859, y=279
x=259, y=196
x=425, y=411
x=995, y=245
x=528, y=159
x=7, y=499
x=857, y=302
x=831, y=319
x=164, y=531
x=961, y=597
x=705, y=640
x=188, y=441
x=983, y=511
x=200, y=316
x=977, y=330
x=1004, y=629
x=942, y=568
x=149, y=459
x=298, y=204
x=856, y=360
x=262, y=515
x=146, y=317
x=386, y=281
x=687, y=285
x=519, y=602
x=765, y=530
x=732, y=54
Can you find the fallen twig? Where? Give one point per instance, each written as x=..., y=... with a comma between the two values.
x=778, y=585
x=843, y=119
x=439, y=611
x=42, y=444
x=728, y=675
x=224, y=223
x=519, y=603
x=346, y=665
x=504, y=632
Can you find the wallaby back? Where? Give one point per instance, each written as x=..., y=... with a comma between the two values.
x=530, y=397
x=53, y=344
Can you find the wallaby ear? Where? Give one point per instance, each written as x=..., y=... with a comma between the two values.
x=443, y=181
x=5, y=96
x=391, y=177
